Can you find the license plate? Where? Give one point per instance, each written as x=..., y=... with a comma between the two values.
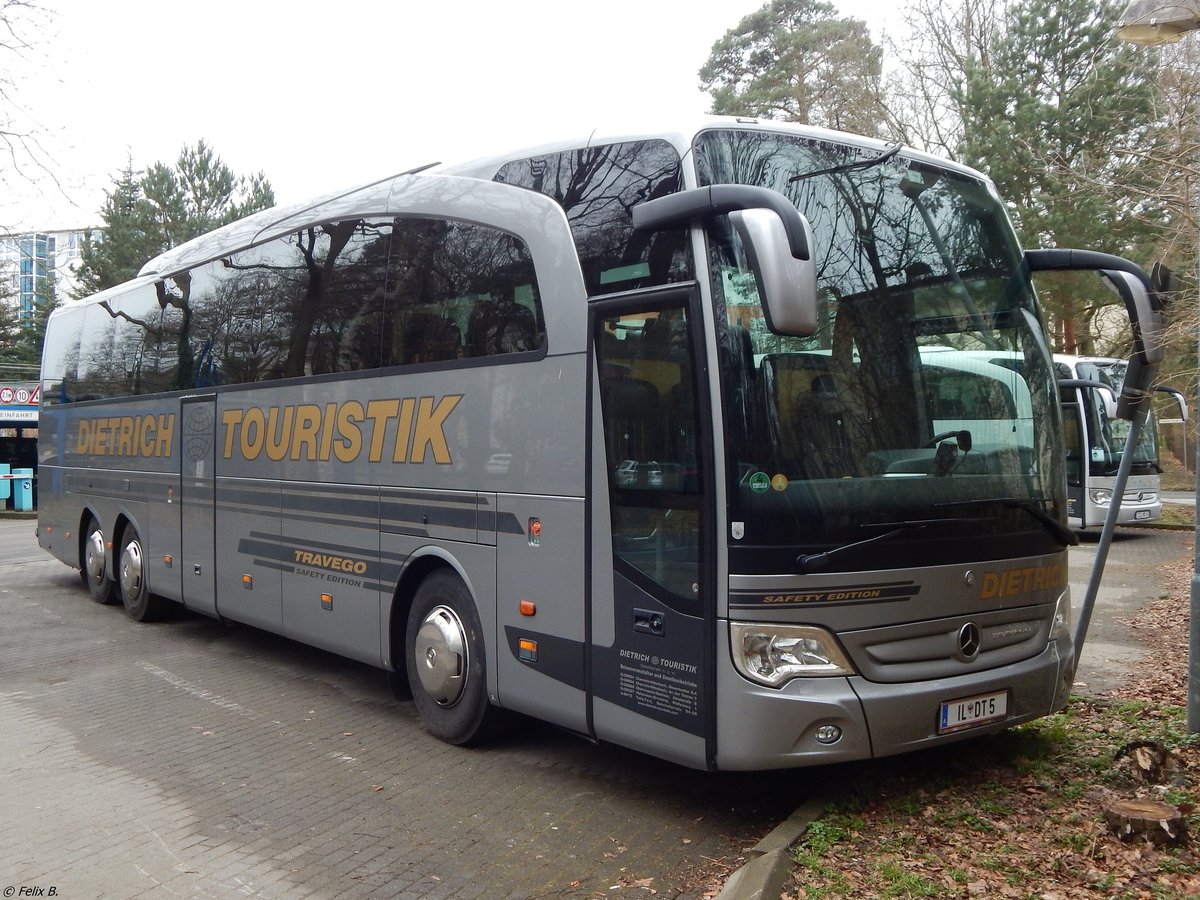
x=1142, y=514
x=971, y=711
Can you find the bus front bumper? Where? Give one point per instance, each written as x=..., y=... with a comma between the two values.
x=766, y=728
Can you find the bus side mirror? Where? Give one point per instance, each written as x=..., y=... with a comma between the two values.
x=776, y=237
x=786, y=285
x=1179, y=399
x=1145, y=303
x=1146, y=317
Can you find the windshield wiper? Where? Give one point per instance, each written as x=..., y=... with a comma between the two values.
x=810, y=561
x=846, y=167
x=1060, y=532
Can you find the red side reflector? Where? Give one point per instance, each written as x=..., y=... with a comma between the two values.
x=528, y=608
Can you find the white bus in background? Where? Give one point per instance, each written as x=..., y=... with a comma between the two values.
x=1095, y=442
x=981, y=393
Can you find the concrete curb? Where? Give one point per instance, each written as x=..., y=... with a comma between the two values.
x=770, y=864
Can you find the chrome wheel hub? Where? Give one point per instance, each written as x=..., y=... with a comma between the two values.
x=131, y=569
x=93, y=557
x=441, y=655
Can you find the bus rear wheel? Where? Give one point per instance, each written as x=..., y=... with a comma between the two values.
x=444, y=655
x=140, y=604
x=91, y=565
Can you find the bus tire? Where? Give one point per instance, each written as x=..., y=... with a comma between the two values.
x=140, y=604
x=447, y=670
x=101, y=588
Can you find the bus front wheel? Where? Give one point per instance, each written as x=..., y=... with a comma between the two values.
x=91, y=565
x=444, y=655
x=141, y=605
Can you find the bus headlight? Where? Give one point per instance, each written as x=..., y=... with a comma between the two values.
x=1060, y=626
x=773, y=654
x=1100, y=496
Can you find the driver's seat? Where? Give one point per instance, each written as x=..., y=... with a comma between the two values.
x=822, y=425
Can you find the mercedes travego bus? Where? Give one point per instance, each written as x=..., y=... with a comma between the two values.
x=981, y=390
x=633, y=434
x=1096, y=440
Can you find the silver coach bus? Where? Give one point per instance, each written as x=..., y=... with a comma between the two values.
x=1096, y=441
x=632, y=434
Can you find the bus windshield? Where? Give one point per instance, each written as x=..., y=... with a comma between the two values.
x=926, y=386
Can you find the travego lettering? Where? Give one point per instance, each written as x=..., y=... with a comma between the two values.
x=328, y=561
x=1022, y=581
x=411, y=429
x=126, y=436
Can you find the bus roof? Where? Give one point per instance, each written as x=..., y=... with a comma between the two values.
x=374, y=196
x=247, y=231
x=680, y=135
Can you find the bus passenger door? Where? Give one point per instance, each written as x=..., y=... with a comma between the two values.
x=1077, y=457
x=197, y=481
x=652, y=608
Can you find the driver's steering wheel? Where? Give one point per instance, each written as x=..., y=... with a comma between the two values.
x=963, y=444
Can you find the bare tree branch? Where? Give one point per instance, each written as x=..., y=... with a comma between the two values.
x=24, y=155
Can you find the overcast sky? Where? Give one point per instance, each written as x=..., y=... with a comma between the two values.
x=325, y=95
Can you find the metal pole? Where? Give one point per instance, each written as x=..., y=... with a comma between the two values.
x=1193, y=701
x=1110, y=525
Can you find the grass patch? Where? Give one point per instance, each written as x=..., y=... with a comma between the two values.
x=1017, y=814
x=1176, y=514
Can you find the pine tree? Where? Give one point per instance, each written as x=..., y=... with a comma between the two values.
x=147, y=213
x=1055, y=121
x=128, y=239
x=199, y=194
x=797, y=61
x=10, y=326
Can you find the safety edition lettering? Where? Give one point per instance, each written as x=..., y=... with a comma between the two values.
x=823, y=596
x=410, y=429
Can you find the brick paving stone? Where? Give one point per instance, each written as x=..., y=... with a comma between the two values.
x=191, y=757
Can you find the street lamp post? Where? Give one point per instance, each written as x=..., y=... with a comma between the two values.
x=1154, y=22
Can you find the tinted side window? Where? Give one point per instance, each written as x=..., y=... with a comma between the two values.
x=598, y=186
x=141, y=356
x=458, y=290
x=60, y=358
x=97, y=374
x=336, y=297
x=308, y=303
x=107, y=349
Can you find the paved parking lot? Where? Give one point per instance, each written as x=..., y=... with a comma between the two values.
x=206, y=761
x=1135, y=563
